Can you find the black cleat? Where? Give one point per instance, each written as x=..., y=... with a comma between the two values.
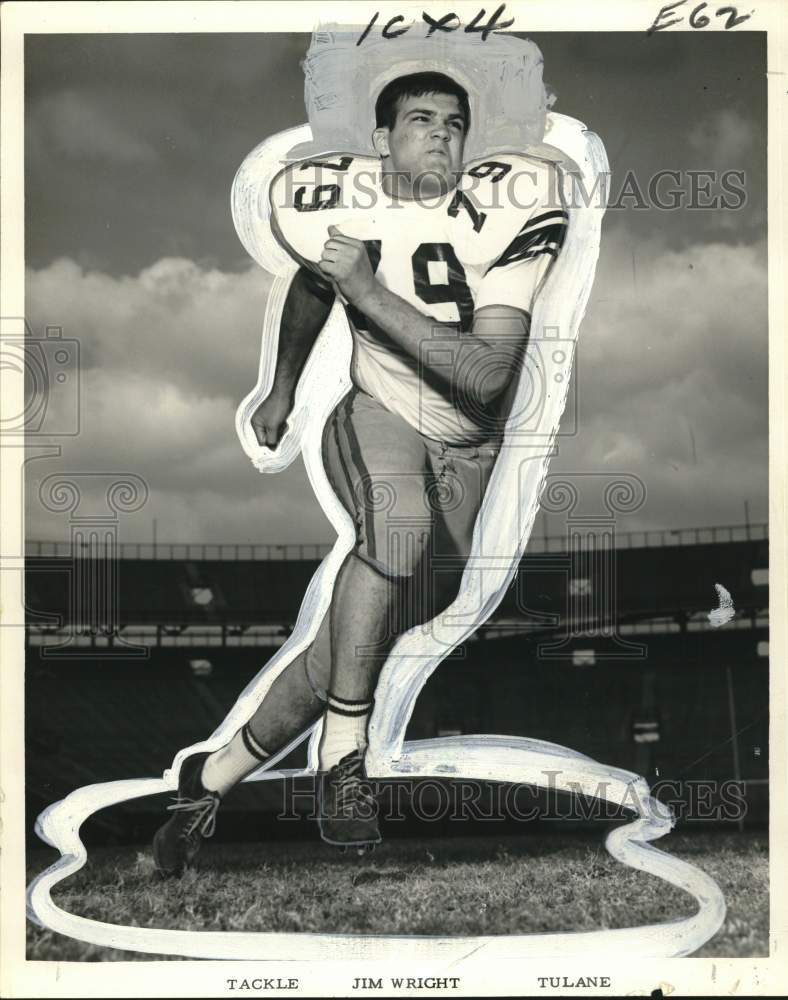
x=347, y=810
x=178, y=842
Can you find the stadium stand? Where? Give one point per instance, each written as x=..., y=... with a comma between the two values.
x=640, y=680
x=674, y=581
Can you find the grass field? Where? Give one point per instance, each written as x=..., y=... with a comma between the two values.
x=449, y=886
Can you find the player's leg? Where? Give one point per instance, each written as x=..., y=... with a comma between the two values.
x=461, y=475
x=365, y=610
x=291, y=706
x=378, y=465
x=294, y=702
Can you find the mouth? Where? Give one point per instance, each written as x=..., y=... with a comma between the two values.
x=440, y=152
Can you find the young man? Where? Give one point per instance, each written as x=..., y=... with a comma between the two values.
x=437, y=268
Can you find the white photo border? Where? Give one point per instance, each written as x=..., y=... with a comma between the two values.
x=688, y=976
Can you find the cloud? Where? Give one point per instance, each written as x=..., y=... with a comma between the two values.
x=198, y=328
x=166, y=356
x=84, y=127
x=200, y=484
x=725, y=138
x=671, y=382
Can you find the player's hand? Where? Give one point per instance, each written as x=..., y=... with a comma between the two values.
x=344, y=260
x=269, y=420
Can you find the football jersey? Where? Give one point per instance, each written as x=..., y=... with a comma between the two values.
x=489, y=241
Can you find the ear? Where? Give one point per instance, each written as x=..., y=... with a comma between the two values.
x=380, y=140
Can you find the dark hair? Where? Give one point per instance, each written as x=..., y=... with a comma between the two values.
x=417, y=85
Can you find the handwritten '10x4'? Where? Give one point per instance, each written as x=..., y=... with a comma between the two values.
x=447, y=23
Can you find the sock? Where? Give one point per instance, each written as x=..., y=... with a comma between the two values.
x=226, y=767
x=344, y=729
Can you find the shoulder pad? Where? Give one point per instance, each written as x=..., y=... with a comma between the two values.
x=492, y=170
x=514, y=190
x=310, y=195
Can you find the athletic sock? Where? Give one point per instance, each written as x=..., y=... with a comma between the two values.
x=226, y=767
x=344, y=729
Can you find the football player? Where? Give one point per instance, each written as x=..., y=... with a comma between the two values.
x=437, y=266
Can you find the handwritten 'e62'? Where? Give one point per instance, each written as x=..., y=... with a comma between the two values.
x=697, y=19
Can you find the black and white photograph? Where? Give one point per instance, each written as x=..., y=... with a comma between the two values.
x=392, y=452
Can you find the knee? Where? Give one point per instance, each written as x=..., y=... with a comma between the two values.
x=395, y=570
x=317, y=673
x=400, y=556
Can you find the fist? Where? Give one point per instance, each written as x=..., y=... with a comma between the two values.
x=345, y=262
x=269, y=420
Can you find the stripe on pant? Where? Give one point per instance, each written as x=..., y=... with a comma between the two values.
x=360, y=465
x=343, y=469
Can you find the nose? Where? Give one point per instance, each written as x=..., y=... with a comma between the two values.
x=440, y=131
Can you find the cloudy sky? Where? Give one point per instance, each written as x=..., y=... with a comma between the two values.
x=132, y=142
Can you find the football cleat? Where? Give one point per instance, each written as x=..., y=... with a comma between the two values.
x=347, y=810
x=177, y=843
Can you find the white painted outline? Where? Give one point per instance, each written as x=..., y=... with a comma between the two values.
x=416, y=654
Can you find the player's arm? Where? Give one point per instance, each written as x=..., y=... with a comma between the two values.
x=483, y=359
x=305, y=312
